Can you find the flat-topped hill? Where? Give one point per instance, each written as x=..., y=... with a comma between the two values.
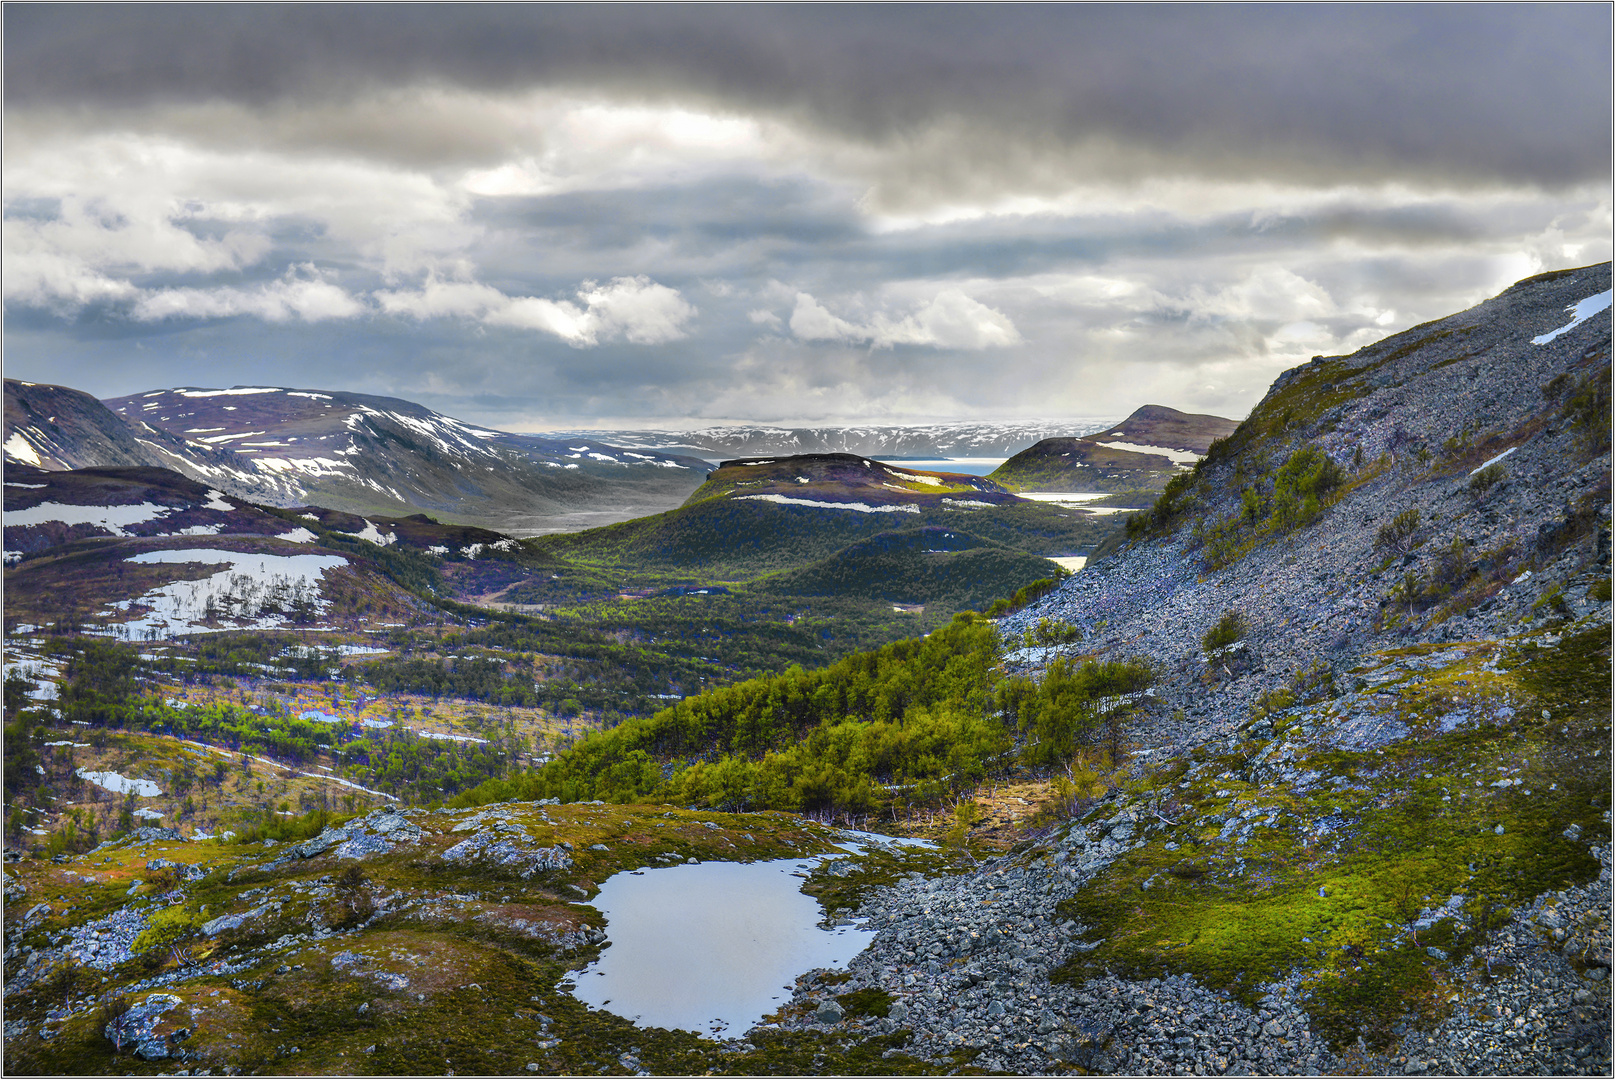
x=1141, y=453
x=804, y=478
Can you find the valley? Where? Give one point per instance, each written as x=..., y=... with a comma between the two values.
x=1305, y=770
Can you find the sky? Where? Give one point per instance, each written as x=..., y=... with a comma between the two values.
x=542, y=217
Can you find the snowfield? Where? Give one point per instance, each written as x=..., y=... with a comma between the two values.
x=260, y=589
x=121, y=784
x=110, y=518
x=1177, y=457
x=373, y=535
x=1063, y=498
x=862, y=508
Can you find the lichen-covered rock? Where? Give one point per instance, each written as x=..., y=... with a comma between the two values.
x=506, y=851
x=224, y=923
x=184, y=871
x=142, y=1027
x=374, y=834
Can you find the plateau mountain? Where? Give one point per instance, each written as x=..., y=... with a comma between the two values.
x=1141, y=453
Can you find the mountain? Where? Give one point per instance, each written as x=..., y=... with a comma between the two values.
x=1141, y=453
x=758, y=516
x=111, y=546
x=56, y=427
x=368, y=454
x=963, y=439
x=808, y=479
x=350, y=452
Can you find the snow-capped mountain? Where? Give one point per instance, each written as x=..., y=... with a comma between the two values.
x=353, y=452
x=949, y=440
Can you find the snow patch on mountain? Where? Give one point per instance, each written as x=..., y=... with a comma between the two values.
x=1580, y=312
x=110, y=518
x=860, y=507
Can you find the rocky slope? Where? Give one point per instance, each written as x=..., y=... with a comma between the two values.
x=1366, y=831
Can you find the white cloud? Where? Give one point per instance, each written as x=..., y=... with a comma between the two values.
x=443, y=299
x=764, y=317
x=949, y=320
x=643, y=311
x=1267, y=293
x=308, y=299
x=82, y=254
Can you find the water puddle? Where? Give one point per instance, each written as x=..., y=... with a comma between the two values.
x=710, y=947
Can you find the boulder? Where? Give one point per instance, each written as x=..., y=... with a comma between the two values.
x=140, y=1027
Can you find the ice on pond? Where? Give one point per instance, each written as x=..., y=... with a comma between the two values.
x=121, y=784
x=255, y=587
x=710, y=946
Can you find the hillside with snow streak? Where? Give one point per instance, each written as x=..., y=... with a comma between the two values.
x=351, y=452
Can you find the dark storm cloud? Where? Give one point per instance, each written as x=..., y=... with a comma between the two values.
x=1462, y=92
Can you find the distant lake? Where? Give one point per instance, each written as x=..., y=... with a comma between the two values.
x=974, y=466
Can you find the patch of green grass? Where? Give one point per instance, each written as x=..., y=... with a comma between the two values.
x=866, y=1002
x=874, y=868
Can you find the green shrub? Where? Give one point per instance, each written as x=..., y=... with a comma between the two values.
x=1273, y=701
x=1398, y=533
x=1229, y=629
x=1302, y=486
x=1048, y=632
x=1024, y=596
x=1070, y=702
x=1483, y=480
x=170, y=930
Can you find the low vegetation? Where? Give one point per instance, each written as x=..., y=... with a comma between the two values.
x=868, y=736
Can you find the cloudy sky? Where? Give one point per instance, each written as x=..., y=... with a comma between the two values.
x=540, y=217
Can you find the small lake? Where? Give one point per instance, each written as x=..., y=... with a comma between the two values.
x=709, y=947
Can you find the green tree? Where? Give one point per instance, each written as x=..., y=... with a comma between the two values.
x=172, y=929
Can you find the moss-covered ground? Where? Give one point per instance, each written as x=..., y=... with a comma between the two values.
x=462, y=969
x=1287, y=853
